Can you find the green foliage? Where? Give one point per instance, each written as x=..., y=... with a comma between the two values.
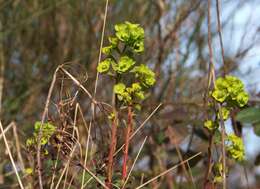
x=47, y=131
x=249, y=115
x=104, y=66
x=209, y=124
x=235, y=147
x=131, y=37
x=224, y=113
x=28, y=171
x=257, y=128
x=124, y=64
x=122, y=94
x=146, y=76
x=231, y=90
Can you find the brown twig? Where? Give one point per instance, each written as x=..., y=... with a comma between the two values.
x=211, y=77
x=220, y=37
x=39, y=165
x=101, y=45
x=10, y=156
x=223, y=132
x=187, y=173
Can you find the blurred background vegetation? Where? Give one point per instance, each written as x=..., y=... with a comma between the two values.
x=38, y=35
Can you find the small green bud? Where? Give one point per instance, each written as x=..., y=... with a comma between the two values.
x=107, y=50
x=28, y=171
x=209, y=124
x=113, y=41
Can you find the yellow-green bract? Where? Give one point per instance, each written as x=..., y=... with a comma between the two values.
x=231, y=90
x=104, y=66
x=235, y=147
x=132, y=35
x=124, y=64
x=209, y=124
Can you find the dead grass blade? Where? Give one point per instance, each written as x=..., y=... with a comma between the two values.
x=10, y=156
x=167, y=171
x=140, y=149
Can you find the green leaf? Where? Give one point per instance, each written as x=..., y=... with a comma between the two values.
x=257, y=129
x=249, y=115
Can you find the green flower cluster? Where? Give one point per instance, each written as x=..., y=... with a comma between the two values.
x=231, y=90
x=146, y=76
x=128, y=94
x=47, y=131
x=211, y=125
x=131, y=37
x=124, y=64
x=235, y=147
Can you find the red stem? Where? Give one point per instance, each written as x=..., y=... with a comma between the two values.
x=111, y=152
x=127, y=140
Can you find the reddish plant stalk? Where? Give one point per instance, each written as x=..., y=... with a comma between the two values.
x=112, y=149
x=127, y=141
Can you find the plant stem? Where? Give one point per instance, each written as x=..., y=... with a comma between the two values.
x=127, y=141
x=209, y=165
x=112, y=151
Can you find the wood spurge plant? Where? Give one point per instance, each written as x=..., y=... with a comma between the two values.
x=48, y=130
x=132, y=81
x=229, y=92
